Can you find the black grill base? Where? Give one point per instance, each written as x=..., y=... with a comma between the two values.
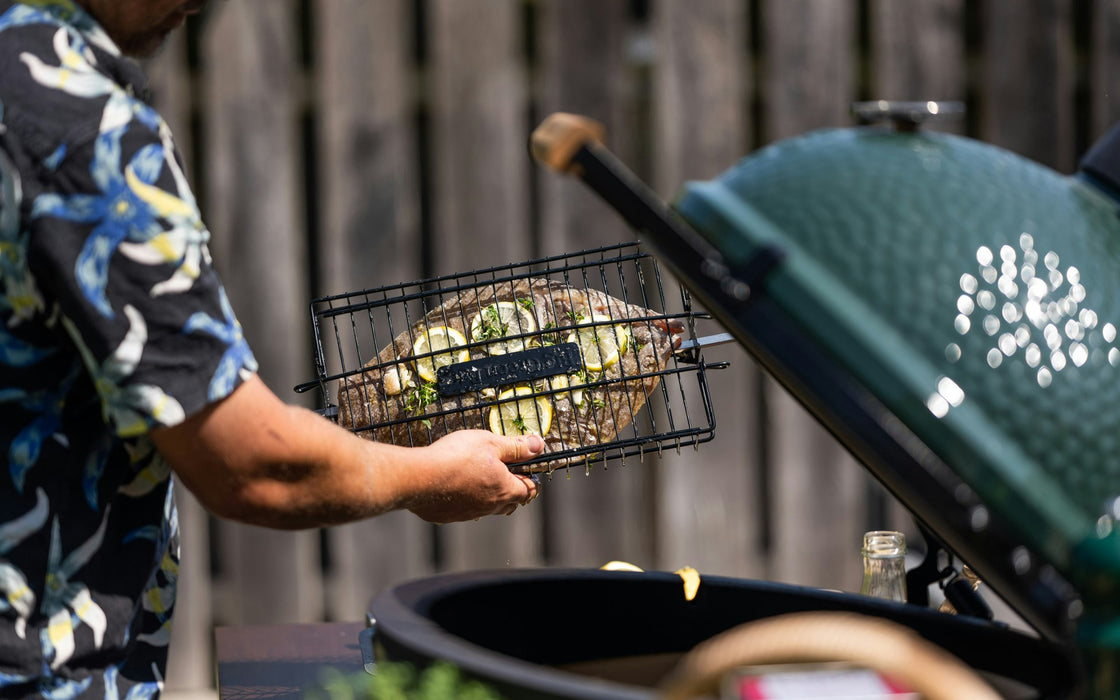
x=524, y=631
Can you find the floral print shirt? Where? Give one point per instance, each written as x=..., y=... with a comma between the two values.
x=112, y=322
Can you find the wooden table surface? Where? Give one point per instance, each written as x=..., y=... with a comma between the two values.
x=280, y=661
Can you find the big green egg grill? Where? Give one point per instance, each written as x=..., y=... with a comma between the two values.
x=950, y=311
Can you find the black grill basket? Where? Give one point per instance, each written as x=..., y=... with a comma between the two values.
x=584, y=349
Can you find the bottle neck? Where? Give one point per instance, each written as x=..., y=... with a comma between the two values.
x=884, y=565
x=880, y=544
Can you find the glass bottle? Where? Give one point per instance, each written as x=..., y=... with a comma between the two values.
x=884, y=565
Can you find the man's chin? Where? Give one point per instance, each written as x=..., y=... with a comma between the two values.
x=144, y=47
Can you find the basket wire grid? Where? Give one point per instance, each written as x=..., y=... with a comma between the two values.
x=371, y=350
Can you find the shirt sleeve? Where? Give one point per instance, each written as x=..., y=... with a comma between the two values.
x=117, y=243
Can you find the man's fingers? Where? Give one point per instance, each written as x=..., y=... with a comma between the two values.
x=532, y=489
x=521, y=448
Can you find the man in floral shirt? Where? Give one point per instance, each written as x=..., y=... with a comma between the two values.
x=122, y=363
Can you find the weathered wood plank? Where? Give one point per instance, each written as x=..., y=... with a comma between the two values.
x=253, y=162
x=1104, y=87
x=808, y=80
x=480, y=198
x=190, y=653
x=169, y=81
x=606, y=514
x=368, y=235
x=701, y=84
x=366, y=167
x=1027, y=81
x=918, y=53
x=818, y=491
x=707, y=514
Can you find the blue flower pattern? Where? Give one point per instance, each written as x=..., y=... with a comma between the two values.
x=25, y=449
x=111, y=263
x=237, y=356
x=117, y=212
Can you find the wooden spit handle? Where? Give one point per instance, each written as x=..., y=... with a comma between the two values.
x=560, y=136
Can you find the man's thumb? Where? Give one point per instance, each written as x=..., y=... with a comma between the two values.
x=521, y=448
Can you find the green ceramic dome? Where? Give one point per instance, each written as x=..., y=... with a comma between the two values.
x=976, y=293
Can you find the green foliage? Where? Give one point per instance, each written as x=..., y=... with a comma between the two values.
x=400, y=681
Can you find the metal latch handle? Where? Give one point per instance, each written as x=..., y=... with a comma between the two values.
x=905, y=115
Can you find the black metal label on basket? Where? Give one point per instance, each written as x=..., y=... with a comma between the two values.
x=514, y=368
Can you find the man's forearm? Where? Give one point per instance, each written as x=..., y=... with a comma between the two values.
x=254, y=459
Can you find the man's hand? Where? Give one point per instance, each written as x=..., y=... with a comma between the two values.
x=468, y=476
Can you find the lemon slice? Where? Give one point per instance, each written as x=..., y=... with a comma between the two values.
x=514, y=416
x=436, y=340
x=619, y=566
x=563, y=381
x=575, y=382
x=601, y=346
x=691, y=579
x=501, y=319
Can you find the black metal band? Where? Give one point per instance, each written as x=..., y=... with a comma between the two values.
x=503, y=370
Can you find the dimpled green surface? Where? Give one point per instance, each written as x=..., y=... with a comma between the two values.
x=975, y=292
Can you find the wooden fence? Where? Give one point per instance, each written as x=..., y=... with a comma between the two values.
x=344, y=144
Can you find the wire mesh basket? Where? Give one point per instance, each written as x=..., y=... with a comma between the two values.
x=583, y=349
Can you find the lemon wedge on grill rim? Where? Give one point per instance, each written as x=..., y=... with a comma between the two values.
x=436, y=340
x=532, y=414
x=600, y=345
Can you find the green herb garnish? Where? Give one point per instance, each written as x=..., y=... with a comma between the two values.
x=526, y=303
x=549, y=338
x=420, y=397
x=490, y=325
x=519, y=423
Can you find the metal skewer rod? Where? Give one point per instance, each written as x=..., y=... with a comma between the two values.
x=707, y=341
